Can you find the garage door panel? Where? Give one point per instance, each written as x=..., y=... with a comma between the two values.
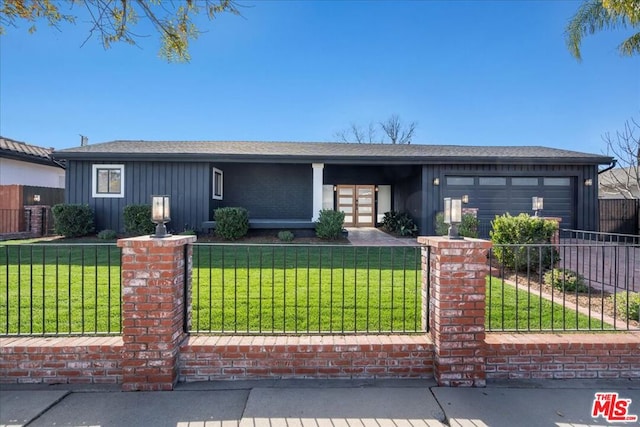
x=492, y=200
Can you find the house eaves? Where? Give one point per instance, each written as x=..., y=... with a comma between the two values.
x=16, y=150
x=330, y=153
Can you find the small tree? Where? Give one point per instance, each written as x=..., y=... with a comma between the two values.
x=624, y=181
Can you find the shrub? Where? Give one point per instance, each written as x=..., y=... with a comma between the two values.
x=137, y=219
x=285, y=235
x=399, y=223
x=232, y=223
x=467, y=228
x=628, y=307
x=329, y=224
x=107, y=235
x=523, y=230
x=565, y=280
x=72, y=220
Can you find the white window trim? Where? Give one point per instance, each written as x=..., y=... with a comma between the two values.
x=94, y=181
x=215, y=196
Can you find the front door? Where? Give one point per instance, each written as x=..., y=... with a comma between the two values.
x=358, y=204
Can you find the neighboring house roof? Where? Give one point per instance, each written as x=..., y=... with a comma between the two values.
x=324, y=152
x=17, y=150
x=620, y=183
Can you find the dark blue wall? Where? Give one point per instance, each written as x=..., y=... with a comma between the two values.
x=275, y=191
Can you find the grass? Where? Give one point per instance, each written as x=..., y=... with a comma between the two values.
x=332, y=289
x=61, y=289
x=252, y=289
x=511, y=309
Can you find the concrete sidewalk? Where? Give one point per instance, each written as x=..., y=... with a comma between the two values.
x=560, y=403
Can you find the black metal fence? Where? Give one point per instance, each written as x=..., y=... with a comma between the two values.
x=570, y=286
x=304, y=289
x=60, y=289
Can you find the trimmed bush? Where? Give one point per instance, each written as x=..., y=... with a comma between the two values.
x=565, y=280
x=628, y=307
x=285, y=236
x=72, y=220
x=467, y=228
x=231, y=223
x=107, y=235
x=524, y=230
x=329, y=224
x=399, y=223
x=137, y=220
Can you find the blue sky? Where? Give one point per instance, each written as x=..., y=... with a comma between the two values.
x=469, y=72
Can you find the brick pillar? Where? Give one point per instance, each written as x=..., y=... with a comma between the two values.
x=153, y=284
x=36, y=221
x=457, y=308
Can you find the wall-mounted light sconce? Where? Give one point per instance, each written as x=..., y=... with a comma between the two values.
x=436, y=181
x=537, y=204
x=36, y=197
x=335, y=188
x=465, y=199
x=588, y=182
x=160, y=214
x=453, y=217
x=376, y=188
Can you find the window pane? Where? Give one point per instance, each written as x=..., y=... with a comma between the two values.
x=346, y=209
x=557, y=182
x=345, y=191
x=365, y=209
x=497, y=180
x=365, y=200
x=524, y=181
x=459, y=180
x=345, y=200
x=114, y=181
x=348, y=218
x=103, y=181
x=217, y=177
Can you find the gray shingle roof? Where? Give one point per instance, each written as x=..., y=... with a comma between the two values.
x=327, y=152
x=27, y=152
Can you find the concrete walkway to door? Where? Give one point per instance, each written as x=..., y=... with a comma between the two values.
x=369, y=236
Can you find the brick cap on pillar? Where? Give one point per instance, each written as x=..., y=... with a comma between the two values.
x=445, y=242
x=146, y=241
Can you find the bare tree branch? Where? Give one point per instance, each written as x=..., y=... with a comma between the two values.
x=625, y=147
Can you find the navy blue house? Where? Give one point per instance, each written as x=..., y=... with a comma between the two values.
x=286, y=184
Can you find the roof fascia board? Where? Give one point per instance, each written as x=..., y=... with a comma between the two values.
x=30, y=159
x=253, y=158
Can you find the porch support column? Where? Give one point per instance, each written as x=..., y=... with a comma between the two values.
x=317, y=189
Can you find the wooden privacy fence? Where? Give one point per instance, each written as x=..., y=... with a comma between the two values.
x=619, y=216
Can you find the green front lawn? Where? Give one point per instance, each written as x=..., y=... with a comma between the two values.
x=52, y=288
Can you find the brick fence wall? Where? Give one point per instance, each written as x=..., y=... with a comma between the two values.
x=394, y=356
x=154, y=352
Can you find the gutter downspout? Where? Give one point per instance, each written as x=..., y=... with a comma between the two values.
x=613, y=165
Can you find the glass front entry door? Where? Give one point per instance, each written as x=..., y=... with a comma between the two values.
x=358, y=204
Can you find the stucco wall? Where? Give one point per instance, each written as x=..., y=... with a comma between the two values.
x=17, y=172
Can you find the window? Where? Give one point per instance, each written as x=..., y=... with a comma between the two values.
x=493, y=180
x=524, y=181
x=107, y=181
x=557, y=182
x=217, y=184
x=459, y=180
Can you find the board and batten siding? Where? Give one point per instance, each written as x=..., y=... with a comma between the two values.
x=188, y=185
x=584, y=205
